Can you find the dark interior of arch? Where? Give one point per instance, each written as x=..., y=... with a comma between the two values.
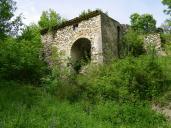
x=81, y=53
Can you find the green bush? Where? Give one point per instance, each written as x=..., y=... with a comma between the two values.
x=63, y=84
x=145, y=78
x=165, y=39
x=130, y=79
x=132, y=43
x=23, y=106
x=126, y=79
x=20, y=59
x=60, y=81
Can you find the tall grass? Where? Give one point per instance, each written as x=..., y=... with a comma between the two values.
x=130, y=78
x=24, y=106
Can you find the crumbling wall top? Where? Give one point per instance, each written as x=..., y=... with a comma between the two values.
x=74, y=21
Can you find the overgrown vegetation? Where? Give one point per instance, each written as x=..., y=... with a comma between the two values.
x=168, y=4
x=143, y=23
x=130, y=78
x=20, y=58
x=50, y=19
x=9, y=25
x=116, y=94
x=132, y=43
x=27, y=106
x=85, y=12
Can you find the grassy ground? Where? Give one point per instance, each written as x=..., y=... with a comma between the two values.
x=163, y=103
x=165, y=62
x=24, y=106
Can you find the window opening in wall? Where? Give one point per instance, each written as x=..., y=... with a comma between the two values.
x=118, y=39
x=75, y=26
x=118, y=34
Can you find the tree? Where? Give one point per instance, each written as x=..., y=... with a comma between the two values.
x=31, y=33
x=143, y=23
x=166, y=37
x=166, y=26
x=132, y=43
x=168, y=12
x=8, y=25
x=168, y=4
x=49, y=19
x=20, y=58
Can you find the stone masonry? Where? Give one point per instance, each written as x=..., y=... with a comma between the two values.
x=154, y=40
x=96, y=35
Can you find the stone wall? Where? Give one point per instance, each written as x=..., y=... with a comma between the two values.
x=111, y=37
x=47, y=40
x=103, y=33
x=64, y=38
x=154, y=40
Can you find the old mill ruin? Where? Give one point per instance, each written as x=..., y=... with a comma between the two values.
x=94, y=38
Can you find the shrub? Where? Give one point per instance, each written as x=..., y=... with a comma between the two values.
x=23, y=106
x=132, y=43
x=125, y=79
x=145, y=78
x=129, y=79
x=62, y=84
x=20, y=58
x=166, y=39
x=60, y=81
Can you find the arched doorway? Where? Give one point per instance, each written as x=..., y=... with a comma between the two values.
x=80, y=53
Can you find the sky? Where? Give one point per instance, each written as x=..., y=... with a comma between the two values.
x=119, y=10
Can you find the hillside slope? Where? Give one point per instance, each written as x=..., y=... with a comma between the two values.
x=24, y=106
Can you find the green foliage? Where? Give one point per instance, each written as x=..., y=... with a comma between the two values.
x=145, y=78
x=166, y=26
x=60, y=81
x=166, y=38
x=20, y=58
x=107, y=95
x=85, y=12
x=130, y=78
x=29, y=107
x=49, y=19
x=132, y=43
x=165, y=62
x=143, y=23
x=8, y=25
x=168, y=4
x=31, y=33
x=56, y=81
x=79, y=64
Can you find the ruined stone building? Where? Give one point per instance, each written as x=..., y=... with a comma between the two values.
x=95, y=37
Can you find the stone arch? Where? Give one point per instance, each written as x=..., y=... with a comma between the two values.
x=80, y=53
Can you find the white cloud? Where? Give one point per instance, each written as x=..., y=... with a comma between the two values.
x=118, y=9
x=28, y=9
